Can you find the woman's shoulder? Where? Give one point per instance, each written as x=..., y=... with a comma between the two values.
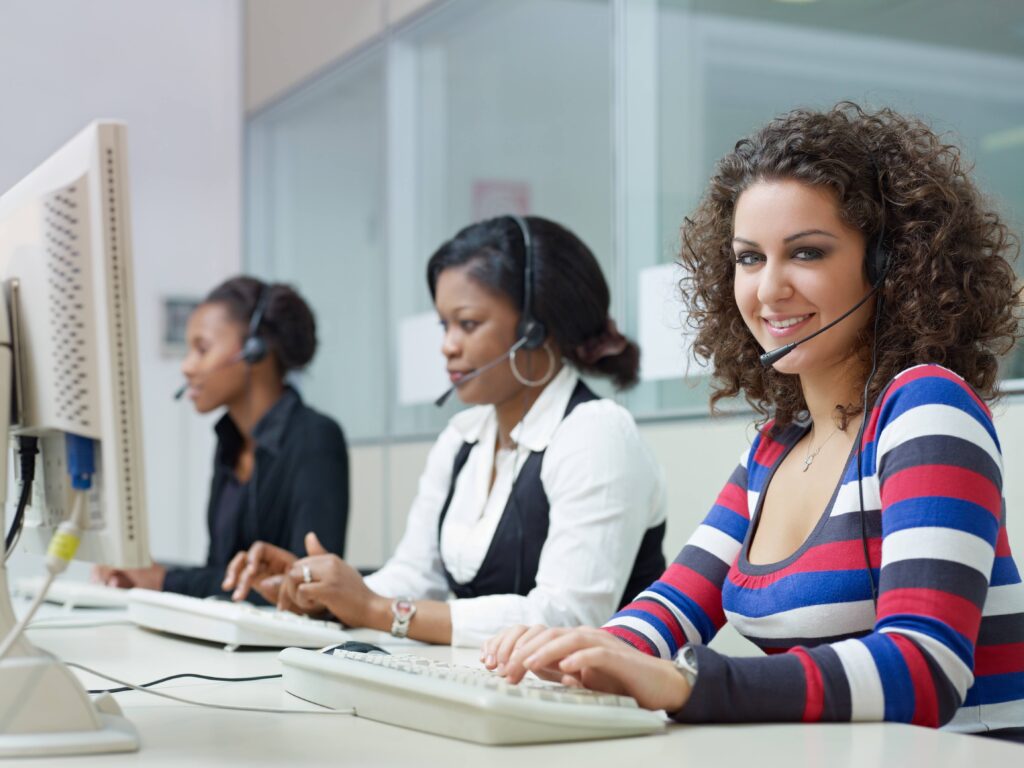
x=930, y=402
x=315, y=428
x=599, y=417
x=929, y=384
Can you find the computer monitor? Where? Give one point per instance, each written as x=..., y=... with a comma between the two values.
x=68, y=366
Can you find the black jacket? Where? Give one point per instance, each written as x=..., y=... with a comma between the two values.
x=299, y=483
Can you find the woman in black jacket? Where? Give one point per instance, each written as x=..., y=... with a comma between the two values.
x=280, y=468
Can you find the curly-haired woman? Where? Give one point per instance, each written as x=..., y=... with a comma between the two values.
x=861, y=542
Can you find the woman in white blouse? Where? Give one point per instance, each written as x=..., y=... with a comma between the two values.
x=542, y=504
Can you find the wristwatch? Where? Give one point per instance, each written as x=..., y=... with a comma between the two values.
x=402, y=609
x=686, y=662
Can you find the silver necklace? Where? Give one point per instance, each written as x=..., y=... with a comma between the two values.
x=812, y=455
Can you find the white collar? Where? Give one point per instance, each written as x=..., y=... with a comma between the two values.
x=536, y=429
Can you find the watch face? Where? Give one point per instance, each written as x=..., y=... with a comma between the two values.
x=403, y=607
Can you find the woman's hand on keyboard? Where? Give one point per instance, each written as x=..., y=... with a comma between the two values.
x=321, y=582
x=497, y=650
x=128, y=578
x=592, y=658
x=261, y=567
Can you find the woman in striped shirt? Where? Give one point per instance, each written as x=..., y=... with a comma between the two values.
x=861, y=542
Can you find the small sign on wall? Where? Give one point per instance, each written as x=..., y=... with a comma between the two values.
x=497, y=197
x=176, y=312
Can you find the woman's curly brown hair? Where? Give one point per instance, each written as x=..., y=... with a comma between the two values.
x=949, y=296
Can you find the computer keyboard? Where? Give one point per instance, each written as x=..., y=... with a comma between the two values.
x=461, y=702
x=74, y=594
x=233, y=624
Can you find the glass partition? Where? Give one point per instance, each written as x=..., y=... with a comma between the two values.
x=606, y=115
x=315, y=219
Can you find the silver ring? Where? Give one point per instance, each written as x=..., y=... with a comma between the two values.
x=307, y=575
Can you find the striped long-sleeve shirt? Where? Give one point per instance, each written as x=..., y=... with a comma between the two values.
x=946, y=643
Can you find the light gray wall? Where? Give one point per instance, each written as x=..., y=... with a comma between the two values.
x=173, y=72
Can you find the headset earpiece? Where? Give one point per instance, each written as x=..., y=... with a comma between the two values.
x=529, y=328
x=877, y=261
x=254, y=348
x=534, y=333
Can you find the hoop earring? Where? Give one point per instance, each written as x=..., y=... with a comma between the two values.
x=533, y=382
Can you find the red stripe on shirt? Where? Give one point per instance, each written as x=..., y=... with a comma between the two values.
x=998, y=659
x=706, y=594
x=735, y=498
x=1002, y=543
x=634, y=638
x=768, y=450
x=832, y=557
x=955, y=611
x=945, y=481
x=815, y=693
x=926, y=703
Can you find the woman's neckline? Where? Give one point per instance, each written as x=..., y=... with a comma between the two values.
x=759, y=569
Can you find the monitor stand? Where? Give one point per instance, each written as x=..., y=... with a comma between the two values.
x=44, y=710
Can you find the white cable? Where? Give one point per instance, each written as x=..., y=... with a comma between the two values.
x=61, y=550
x=272, y=710
x=60, y=622
x=15, y=633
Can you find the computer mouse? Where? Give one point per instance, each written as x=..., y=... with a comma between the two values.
x=357, y=647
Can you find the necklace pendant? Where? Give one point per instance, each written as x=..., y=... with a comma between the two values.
x=807, y=462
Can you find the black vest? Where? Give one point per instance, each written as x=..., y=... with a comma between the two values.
x=510, y=565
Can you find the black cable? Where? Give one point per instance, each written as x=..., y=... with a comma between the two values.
x=28, y=448
x=186, y=674
x=860, y=440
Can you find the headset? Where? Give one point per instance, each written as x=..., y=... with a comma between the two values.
x=530, y=330
x=254, y=348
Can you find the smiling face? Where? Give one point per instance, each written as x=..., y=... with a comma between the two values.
x=215, y=374
x=479, y=327
x=799, y=267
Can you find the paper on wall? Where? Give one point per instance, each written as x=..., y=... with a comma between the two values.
x=665, y=341
x=421, y=366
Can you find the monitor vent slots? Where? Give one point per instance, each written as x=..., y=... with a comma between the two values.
x=64, y=221
x=119, y=321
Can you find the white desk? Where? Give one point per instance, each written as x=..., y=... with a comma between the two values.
x=175, y=734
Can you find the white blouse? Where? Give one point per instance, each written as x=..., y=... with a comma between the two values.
x=604, y=488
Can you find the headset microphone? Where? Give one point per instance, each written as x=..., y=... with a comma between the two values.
x=770, y=358
x=235, y=358
x=481, y=370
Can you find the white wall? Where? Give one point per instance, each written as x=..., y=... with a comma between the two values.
x=172, y=71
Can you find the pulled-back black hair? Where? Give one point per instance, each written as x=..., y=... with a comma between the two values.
x=570, y=295
x=287, y=326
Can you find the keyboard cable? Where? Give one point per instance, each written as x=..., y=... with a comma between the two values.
x=233, y=707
